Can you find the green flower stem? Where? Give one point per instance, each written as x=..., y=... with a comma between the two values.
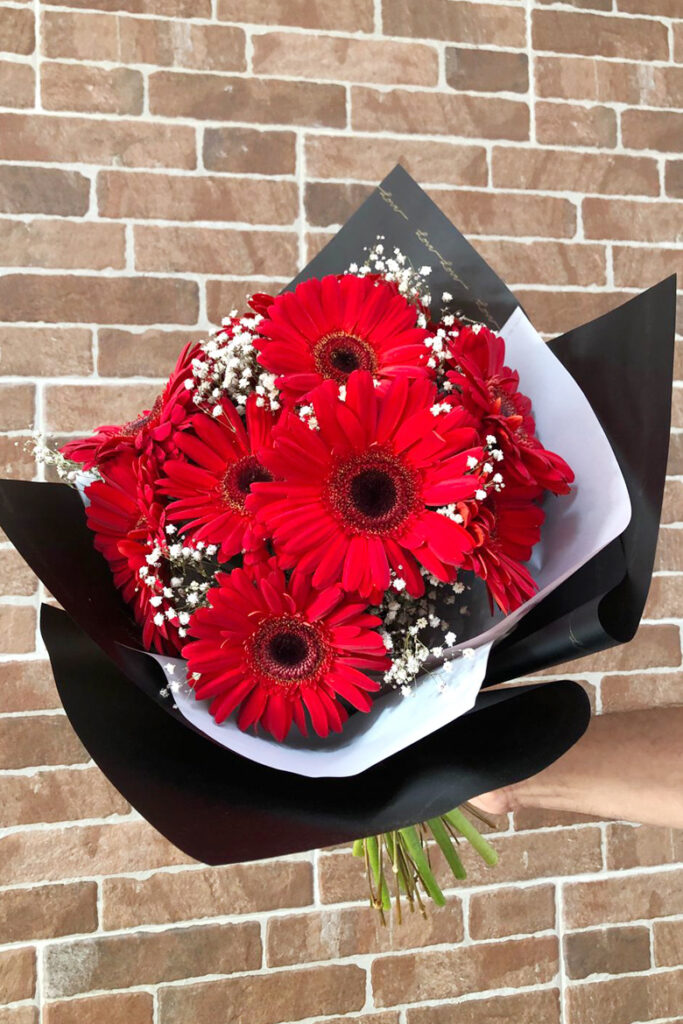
x=404, y=854
x=440, y=833
x=458, y=820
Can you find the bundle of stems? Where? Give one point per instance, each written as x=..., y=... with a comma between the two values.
x=398, y=863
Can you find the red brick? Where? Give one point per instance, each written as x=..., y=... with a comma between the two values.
x=607, y=951
x=222, y=296
x=596, y=35
x=16, y=461
x=584, y=78
x=639, y=998
x=665, y=598
x=531, y=1007
x=122, y=1008
x=48, y=911
x=168, y=8
x=653, y=129
x=487, y=70
x=572, y=125
x=17, y=974
x=477, y=23
x=678, y=42
x=17, y=406
x=150, y=353
x=330, y=934
x=17, y=84
x=668, y=943
x=62, y=795
x=632, y=220
x=24, y=1014
x=669, y=556
x=557, y=170
x=39, y=740
x=448, y=163
x=512, y=911
x=435, y=113
x=285, y=996
x=57, y=298
x=640, y=267
x=544, y=262
x=62, y=244
x=184, y=197
x=342, y=59
x=17, y=622
x=100, y=90
x=449, y=973
x=259, y=100
x=160, y=43
x=122, y=143
x=43, y=190
x=632, y=692
x=249, y=151
x=667, y=8
x=187, y=895
x=84, y=850
x=339, y=15
x=27, y=686
x=49, y=351
x=145, y=958
x=216, y=251
x=674, y=178
x=17, y=32
x=73, y=407
x=631, y=846
x=624, y=898
x=556, y=312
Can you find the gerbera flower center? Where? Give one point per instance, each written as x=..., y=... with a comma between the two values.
x=373, y=492
x=239, y=478
x=499, y=394
x=287, y=651
x=337, y=355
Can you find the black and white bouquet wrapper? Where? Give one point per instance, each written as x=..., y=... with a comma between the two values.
x=601, y=400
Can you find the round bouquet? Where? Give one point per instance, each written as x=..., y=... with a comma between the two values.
x=315, y=485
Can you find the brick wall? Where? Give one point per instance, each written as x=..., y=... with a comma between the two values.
x=158, y=158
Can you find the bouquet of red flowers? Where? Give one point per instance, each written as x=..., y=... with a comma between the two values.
x=341, y=500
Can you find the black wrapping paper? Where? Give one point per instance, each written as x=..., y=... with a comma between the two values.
x=221, y=808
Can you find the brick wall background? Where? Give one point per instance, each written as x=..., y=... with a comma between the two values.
x=158, y=159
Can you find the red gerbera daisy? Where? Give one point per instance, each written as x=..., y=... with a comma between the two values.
x=490, y=390
x=507, y=527
x=153, y=431
x=329, y=327
x=354, y=499
x=210, y=482
x=128, y=525
x=279, y=648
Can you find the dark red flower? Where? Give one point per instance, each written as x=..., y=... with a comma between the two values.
x=490, y=390
x=357, y=495
x=326, y=329
x=281, y=649
x=260, y=302
x=153, y=432
x=128, y=524
x=507, y=526
x=219, y=461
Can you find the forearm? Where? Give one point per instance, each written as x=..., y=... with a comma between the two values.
x=627, y=766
